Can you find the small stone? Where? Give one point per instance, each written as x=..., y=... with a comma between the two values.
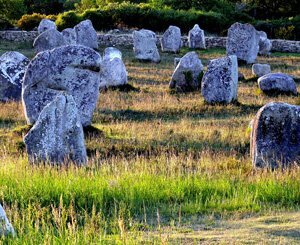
x=186, y=76
x=69, y=35
x=196, y=38
x=275, y=136
x=243, y=41
x=48, y=40
x=74, y=69
x=86, y=34
x=260, y=70
x=220, y=82
x=113, y=71
x=171, y=40
x=145, y=48
x=57, y=135
x=265, y=44
x=12, y=69
x=46, y=25
x=277, y=83
x=5, y=228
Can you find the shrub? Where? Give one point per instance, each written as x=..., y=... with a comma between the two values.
x=5, y=23
x=12, y=9
x=68, y=20
x=29, y=21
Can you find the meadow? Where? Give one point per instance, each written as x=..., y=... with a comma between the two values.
x=163, y=168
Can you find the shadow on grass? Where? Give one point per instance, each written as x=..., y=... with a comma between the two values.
x=176, y=114
x=293, y=233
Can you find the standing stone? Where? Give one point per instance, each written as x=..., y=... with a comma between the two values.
x=171, y=40
x=145, y=48
x=243, y=41
x=220, y=82
x=46, y=25
x=57, y=135
x=69, y=36
x=186, y=76
x=5, y=226
x=12, y=70
x=73, y=69
x=265, y=44
x=277, y=83
x=275, y=136
x=113, y=71
x=196, y=38
x=48, y=40
x=86, y=34
x=260, y=70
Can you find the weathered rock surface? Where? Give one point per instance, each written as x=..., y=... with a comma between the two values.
x=12, y=70
x=243, y=41
x=46, y=25
x=57, y=135
x=265, y=44
x=260, y=70
x=145, y=49
x=69, y=36
x=171, y=40
x=275, y=136
x=196, y=38
x=113, y=71
x=186, y=76
x=48, y=40
x=5, y=226
x=86, y=34
x=73, y=69
x=176, y=61
x=277, y=83
x=220, y=82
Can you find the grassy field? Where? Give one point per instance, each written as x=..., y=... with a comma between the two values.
x=163, y=168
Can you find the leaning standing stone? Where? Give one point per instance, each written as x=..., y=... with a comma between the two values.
x=57, y=135
x=73, y=69
x=5, y=226
x=243, y=41
x=46, y=25
x=86, y=34
x=196, y=38
x=12, y=70
x=275, y=136
x=277, y=83
x=171, y=40
x=260, y=70
x=113, y=71
x=186, y=76
x=145, y=48
x=48, y=40
x=220, y=82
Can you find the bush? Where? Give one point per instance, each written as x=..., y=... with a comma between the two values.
x=5, y=23
x=29, y=21
x=12, y=9
x=144, y=16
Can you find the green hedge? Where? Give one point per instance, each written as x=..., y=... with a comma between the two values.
x=144, y=16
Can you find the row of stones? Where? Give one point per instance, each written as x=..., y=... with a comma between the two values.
x=126, y=40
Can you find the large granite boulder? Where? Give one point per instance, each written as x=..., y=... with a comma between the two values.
x=275, y=136
x=260, y=70
x=171, y=40
x=5, y=226
x=277, y=83
x=196, y=38
x=145, y=49
x=73, y=69
x=265, y=44
x=69, y=36
x=86, y=34
x=186, y=76
x=243, y=41
x=12, y=69
x=220, y=82
x=113, y=71
x=57, y=135
x=48, y=40
x=46, y=25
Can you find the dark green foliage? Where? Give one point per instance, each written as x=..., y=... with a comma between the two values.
x=12, y=9
x=30, y=21
x=5, y=23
